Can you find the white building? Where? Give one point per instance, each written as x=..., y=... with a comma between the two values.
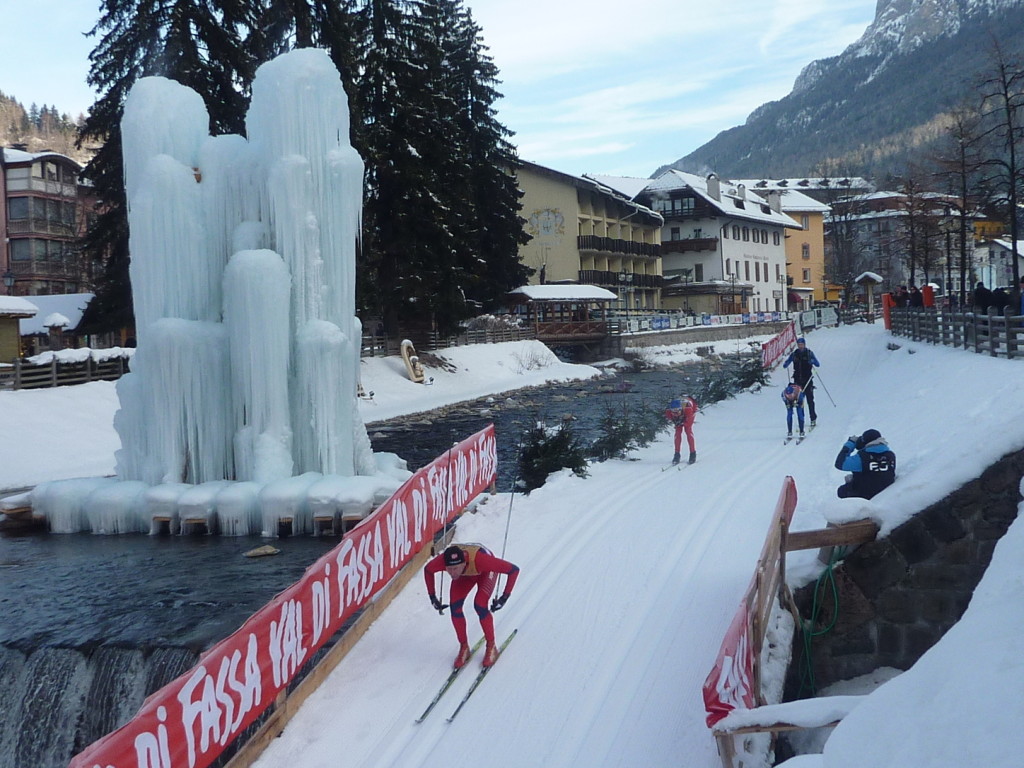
x=723, y=247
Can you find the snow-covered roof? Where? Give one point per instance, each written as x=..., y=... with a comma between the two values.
x=630, y=186
x=790, y=200
x=15, y=305
x=736, y=201
x=864, y=277
x=592, y=183
x=20, y=156
x=69, y=306
x=819, y=183
x=559, y=292
x=1009, y=246
x=56, y=319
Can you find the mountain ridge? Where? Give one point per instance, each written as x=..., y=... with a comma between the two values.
x=867, y=110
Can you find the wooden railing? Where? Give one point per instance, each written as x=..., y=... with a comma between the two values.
x=998, y=334
x=23, y=375
x=383, y=346
x=768, y=585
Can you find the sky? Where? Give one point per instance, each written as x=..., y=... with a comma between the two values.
x=590, y=86
x=631, y=576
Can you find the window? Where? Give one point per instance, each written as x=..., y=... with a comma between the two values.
x=805, y=250
x=807, y=275
x=757, y=271
x=725, y=232
x=746, y=234
x=18, y=208
x=735, y=232
x=728, y=266
x=698, y=273
x=675, y=233
x=746, y=271
x=21, y=250
x=764, y=236
x=756, y=236
x=775, y=238
x=805, y=221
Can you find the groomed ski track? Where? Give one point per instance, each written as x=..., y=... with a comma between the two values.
x=629, y=581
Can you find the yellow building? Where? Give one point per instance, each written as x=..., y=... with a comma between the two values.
x=805, y=247
x=584, y=232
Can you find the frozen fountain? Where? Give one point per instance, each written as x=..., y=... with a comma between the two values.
x=242, y=393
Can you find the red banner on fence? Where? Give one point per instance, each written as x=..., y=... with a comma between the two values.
x=731, y=683
x=187, y=723
x=773, y=350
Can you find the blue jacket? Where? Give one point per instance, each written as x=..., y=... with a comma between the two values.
x=873, y=467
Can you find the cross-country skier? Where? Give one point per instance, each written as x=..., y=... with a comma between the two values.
x=471, y=565
x=803, y=359
x=793, y=398
x=870, y=461
x=681, y=413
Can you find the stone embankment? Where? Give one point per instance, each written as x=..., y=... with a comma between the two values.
x=898, y=595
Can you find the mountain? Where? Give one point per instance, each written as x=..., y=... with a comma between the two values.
x=871, y=108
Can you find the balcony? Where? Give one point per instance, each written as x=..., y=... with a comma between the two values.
x=616, y=245
x=40, y=227
x=611, y=280
x=690, y=244
x=43, y=269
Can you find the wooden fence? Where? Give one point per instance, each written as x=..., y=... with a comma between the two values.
x=24, y=375
x=768, y=585
x=425, y=341
x=994, y=333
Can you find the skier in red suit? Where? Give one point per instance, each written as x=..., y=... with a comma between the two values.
x=681, y=413
x=471, y=565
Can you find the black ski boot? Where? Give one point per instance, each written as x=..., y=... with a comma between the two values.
x=693, y=457
x=675, y=459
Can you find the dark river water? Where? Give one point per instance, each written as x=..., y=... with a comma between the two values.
x=92, y=624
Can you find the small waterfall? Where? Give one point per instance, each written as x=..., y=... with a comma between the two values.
x=56, y=701
x=55, y=684
x=115, y=694
x=12, y=669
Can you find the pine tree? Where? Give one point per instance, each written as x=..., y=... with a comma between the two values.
x=409, y=261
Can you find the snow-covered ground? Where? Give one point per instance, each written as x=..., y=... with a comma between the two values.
x=631, y=576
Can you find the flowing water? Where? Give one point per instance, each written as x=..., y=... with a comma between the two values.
x=93, y=624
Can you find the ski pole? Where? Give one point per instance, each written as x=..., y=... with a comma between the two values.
x=511, y=498
x=817, y=376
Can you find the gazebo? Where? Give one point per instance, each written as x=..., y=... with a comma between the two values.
x=564, y=313
x=869, y=280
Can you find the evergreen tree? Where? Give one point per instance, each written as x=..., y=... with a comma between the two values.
x=409, y=264
x=195, y=42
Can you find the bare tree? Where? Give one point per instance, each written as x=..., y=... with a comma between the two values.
x=958, y=162
x=1002, y=109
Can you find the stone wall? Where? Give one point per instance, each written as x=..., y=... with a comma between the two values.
x=614, y=345
x=898, y=595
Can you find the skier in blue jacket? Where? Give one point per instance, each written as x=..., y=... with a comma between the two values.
x=870, y=461
x=793, y=398
x=803, y=359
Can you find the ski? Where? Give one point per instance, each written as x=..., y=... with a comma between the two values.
x=448, y=683
x=482, y=674
x=787, y=440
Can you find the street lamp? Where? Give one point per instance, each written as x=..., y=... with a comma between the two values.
x=626, y=281
x=9, y=281
x=732, y=299
x=686, y=272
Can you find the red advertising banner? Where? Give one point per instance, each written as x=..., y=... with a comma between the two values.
x=773, y=350
x=732, y=682
x=187, y=723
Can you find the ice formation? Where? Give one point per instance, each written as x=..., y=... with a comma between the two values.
x=243, y=276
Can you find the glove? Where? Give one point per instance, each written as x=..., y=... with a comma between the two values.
x=851, y=441
x=436, y=603
x=499, y=602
